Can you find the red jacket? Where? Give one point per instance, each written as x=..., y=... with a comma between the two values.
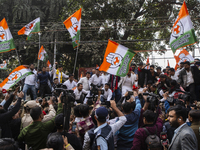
x=140, y=135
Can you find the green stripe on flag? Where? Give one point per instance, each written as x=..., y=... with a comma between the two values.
x=35, y=30
x=187, y=38
x=76, y=40
x=7, y=46
x=124, y=67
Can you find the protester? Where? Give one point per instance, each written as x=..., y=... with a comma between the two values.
x=85, y=81
x=80, y=93
x=106, y=97
x=114, y=81
x=152, y=75
x=70, y=83
x=96, y=79
x=141, y=74
x=58, y=73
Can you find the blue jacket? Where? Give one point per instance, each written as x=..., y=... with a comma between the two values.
x=44, y=77
x=127, y=131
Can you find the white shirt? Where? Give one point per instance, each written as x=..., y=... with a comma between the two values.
x=31, y=79
x=107, y=94
x=97, y=80
x=106, y=77
x=85, y=82
x=78, y=93
x=70, y=85
x=59, y=75
x=175, y=76
x=189, y=78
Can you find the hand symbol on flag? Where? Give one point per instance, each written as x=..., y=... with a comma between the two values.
x=114, y=59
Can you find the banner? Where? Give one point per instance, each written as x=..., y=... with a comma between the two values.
x=73, y=25
x=117, y=59
x=182, y=31
x=15, y=76
x=6, y=39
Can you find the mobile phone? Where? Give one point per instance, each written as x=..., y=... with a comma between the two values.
x=73, y=126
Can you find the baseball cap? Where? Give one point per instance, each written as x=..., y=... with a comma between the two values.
x=101, y=113
x=31, y=104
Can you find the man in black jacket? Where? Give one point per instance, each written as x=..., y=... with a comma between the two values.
x=142, y=74
x=6, y=116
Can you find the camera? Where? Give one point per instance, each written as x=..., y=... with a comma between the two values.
x=184, y=97
x=95, y=89
x=130, y=93
x=153, y=99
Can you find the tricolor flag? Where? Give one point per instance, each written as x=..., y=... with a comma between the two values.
x=182, y=31
x=15, y=76
x=42, y=55
x=6, y=39
x=49, y=64
x=73, y=25
x=4, y=65
x=31, y=28
x=168, y=63
x=117, y=59
x=183, y=56
x=147, y=67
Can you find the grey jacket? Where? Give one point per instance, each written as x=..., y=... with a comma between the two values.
x=185, y=139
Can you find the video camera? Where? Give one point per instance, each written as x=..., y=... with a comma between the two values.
x=153, y=99
x=130, y=93
x=185, y=96
x=96, y=89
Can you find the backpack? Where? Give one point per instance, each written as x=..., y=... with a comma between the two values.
x=153, y=141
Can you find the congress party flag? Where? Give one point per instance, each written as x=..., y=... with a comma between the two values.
x=31, y=28
x=182, y=31
x=117, y=59
x=73, y=25
x=183, y=56
x=42, y=55
x=49, y=64
x=147, y=67
x=4, y=65
x=6, y=39
x=15, y=76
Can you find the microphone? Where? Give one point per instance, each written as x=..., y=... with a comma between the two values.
x=164, y=140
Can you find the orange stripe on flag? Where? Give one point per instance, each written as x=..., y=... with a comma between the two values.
x=111, y=48
x=182, y=13
x=39, y=54
x=22, y=31
x=68, y=22
x=4, y=24
x=16, y=69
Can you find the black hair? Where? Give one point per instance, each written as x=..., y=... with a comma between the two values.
x=31, y=64
x=187, y=62
x=90, y=102
x=55, y=79
x=162, y=76
x=60, y=66
x=152, y=66
x=195, y=114
x=133, y=64
x=158, y=68
x=154, y=86
x=164, y=70
x=59, y=121
x=71, y=75
x=35, y=113
x=87, y=72
x=127, y=107
x=77, y=111
x=149, y=115
x=43, y=67
x=8, y=144
x=150, y=82
x=55, y=141
x=172, y=69
x=40, y=70
x=168, y=67
x=107, y=84
x=79, y=84
x=180, y=111
x=84, y=110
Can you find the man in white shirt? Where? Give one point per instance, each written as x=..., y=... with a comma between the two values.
x=57, y=73
x=106, y=77
x=173, y=74
x=107, y=93
x=79, y=93
x=96, y=79
x=85, y=81
x=30, y=82
x=70, y=83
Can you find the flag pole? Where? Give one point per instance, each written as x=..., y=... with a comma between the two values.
x=54, y=52
x=18, y=56
x=75, y=59
x=38, y=63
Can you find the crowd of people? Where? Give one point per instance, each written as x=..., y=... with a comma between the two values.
x=150, y=108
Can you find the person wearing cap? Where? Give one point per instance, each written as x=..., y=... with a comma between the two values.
x=127, y=82
x=85, y=81
x=27, y=119
x=6, y=115
x=57, y=73
x=141, y=74
x=189, y=78
x=96, y=79
x=70, y=83
x=30, y=82
x=35, y=135
x=96, y=137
